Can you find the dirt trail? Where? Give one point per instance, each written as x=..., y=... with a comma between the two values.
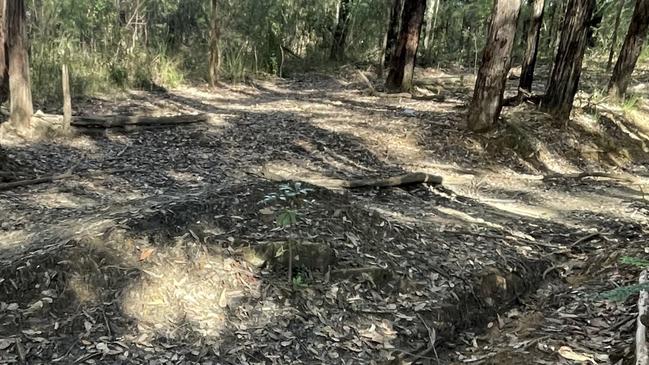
x=148, y=259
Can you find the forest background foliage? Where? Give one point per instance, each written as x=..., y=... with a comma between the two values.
x=146, y=44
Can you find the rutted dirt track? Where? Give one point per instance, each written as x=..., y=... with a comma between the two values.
x=156, y=250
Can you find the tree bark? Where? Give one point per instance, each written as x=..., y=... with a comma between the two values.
x=496, y=60
x=566, y=71
x=215, y=51
x=533, y=37
x=555, y=24
x=616, y=27
x=19, y=82
x=402, y=64
x=631, y=50
x=340, y=32
x=4, y=60
x=393, y=31
x=430, y=27
x=67, y=98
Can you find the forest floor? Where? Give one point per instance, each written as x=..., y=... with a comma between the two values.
x=160, y=245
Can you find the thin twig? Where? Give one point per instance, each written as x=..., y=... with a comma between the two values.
x=432, y=337
x=585, y=239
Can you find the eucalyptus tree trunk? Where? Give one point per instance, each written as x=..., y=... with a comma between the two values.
x=631, y=49
x=533, y=37
x=215, y=50
x=21, y=107
x=340, y=31
x=566, y=71
x=496, y=60
x=4, y=60
x=402, y=64
x=616, y=27
x=393, y=31
x=431, y=24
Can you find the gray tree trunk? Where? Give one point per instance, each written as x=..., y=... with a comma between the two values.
x=496, y=60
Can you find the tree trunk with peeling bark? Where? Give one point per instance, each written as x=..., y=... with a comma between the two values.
x=402, y=63
x=533, y=37
x=566, y=71
x=19, y=81
x=215, y=50
x=635, y=39
x=496, y=60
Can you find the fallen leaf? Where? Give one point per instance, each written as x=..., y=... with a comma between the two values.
x=102, y=347
x=5, y=343
x=146, y=253
x=568, y=353
x=223, y=299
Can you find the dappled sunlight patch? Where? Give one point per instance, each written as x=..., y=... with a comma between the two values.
x=521, y=209
x=84, y=291
x=467, y=218
x=184, y=177
x=181, y=292
x=12, y=239
x=52, y=200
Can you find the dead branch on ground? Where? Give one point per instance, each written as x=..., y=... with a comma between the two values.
x=380, y=182
x=117, y=121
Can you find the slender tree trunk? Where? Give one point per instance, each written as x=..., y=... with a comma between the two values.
x=340, y=32
x=631, y=49
x=434, y=29
x=402, y=64
x=550, y=24
x=533, y=37
x=19, y=82
x=431, y=24
x=215, y=50
x=496, y=60
x=555, y=24
x=67, y=97
x=393, y=30
x=566, y=71
x=4, y=60
x=618, y=15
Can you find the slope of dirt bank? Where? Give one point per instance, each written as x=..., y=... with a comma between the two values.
x=143, y=254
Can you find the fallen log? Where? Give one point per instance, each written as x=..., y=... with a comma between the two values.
x=641, y=353
x=379, y=182
x=66, y=175
x=394, y=181
x=40, y=180
x=117, y=121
